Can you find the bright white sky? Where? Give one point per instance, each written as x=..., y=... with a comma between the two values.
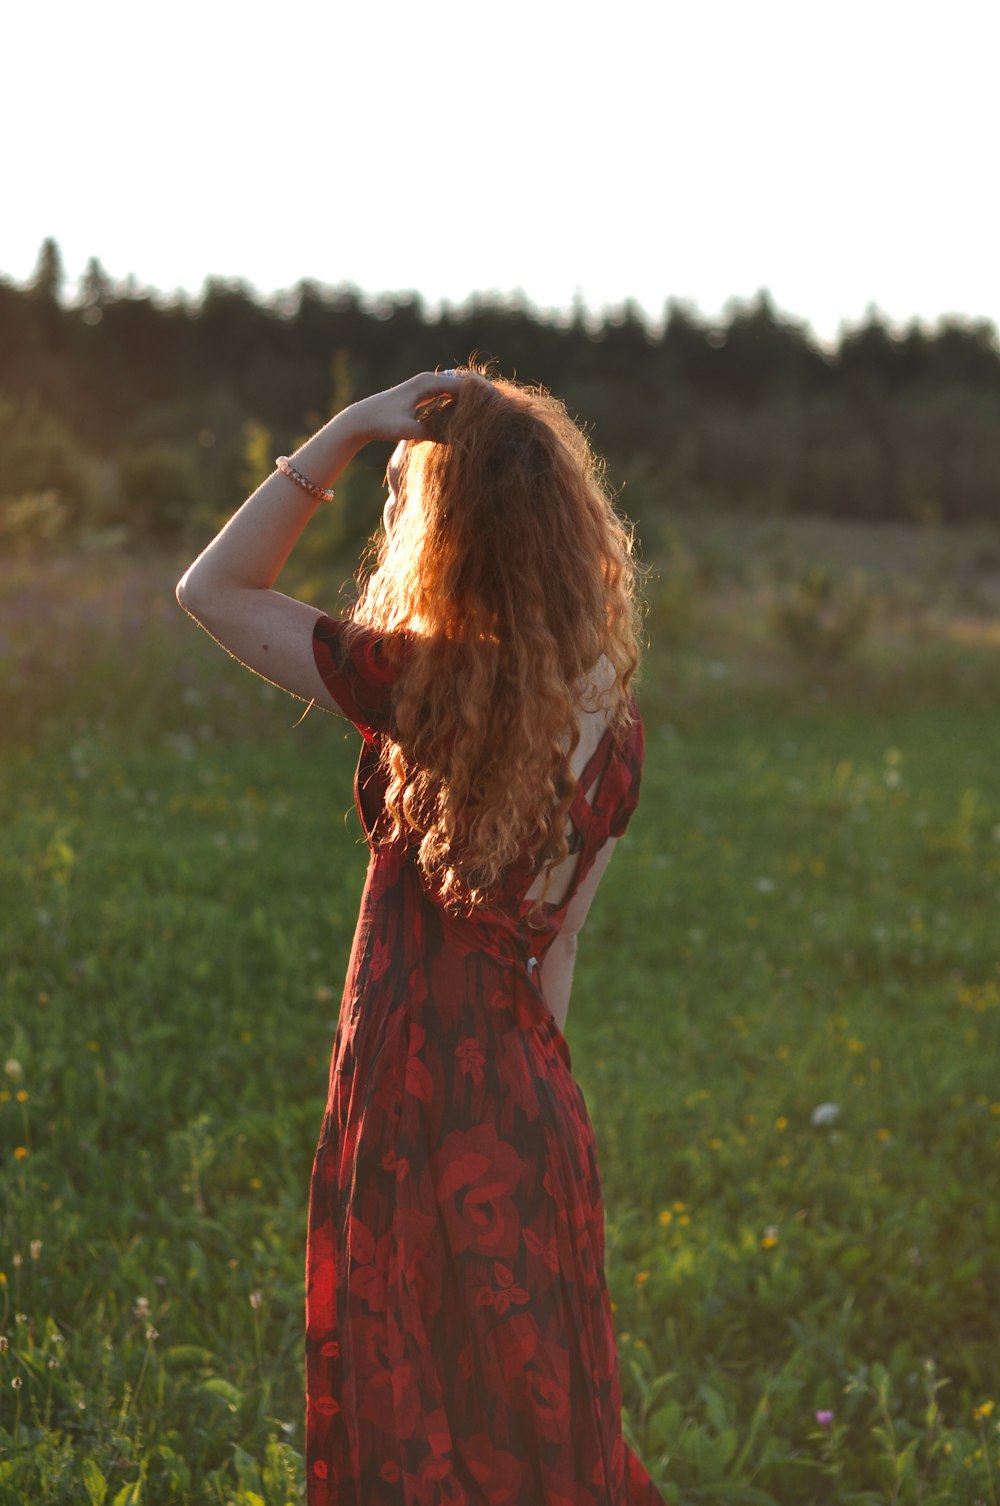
x=838, y=155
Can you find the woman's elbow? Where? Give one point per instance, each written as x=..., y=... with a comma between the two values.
x=188, y=591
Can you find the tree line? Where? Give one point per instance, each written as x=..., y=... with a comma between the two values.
x=121, y=408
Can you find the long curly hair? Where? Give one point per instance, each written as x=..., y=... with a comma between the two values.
x=509, y=574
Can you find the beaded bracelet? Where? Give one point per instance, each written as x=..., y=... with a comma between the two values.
x=286, y=468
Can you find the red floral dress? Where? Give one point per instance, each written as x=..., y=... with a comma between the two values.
x=459, y=1340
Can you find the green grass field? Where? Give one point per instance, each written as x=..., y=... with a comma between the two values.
x=805, y=913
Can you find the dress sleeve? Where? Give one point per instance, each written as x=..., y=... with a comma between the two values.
x=633, y=756
x=354, y=665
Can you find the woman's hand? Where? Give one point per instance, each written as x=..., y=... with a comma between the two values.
x=392, y=415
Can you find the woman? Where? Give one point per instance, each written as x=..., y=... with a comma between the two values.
x=459, y=1341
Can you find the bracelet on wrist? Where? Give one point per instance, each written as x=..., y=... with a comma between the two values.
x=285, y=466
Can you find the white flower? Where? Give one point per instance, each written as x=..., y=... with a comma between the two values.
x=825, y=1113
x=764, y=885
x=13, y=1069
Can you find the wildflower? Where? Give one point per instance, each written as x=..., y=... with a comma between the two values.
x=17, y=1382
x=13, y=1069
x=665, y=1217
x=36, y=1249
x=151, y=1334
x=679, y=1207
x=855, y=1046
x=20, y=1152
x=685, y=1218
x=640, y=1277
x=982, y=1411
x=3, y=1343
x=3, y=1278
x=825, y=1113
x=824, y=1419
x=770, y=1237
x=17, y=1259
x=53, y=1363
x=255, y=1299
x=22, y=1095
x=714, y=1143
x=246, y=1036
x=764, y=885
x=141, y=1308
x=781, y=1123
x=883, y=1134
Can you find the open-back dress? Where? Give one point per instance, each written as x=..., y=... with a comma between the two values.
x=459, y=1340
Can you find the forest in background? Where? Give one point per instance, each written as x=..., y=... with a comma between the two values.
x=126, y=415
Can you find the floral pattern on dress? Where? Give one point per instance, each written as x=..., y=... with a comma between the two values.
x=460, y=1349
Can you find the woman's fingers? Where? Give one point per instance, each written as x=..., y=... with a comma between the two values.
x=431, y=384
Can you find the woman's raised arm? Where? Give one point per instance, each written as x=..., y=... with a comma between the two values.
x=228, y=588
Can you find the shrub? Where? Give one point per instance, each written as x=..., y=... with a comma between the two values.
x=159, y=486
x=822, y=617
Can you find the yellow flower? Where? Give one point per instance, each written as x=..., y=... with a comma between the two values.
x=22, y=1096
x=679, y=1207
x=93, y=1045
x=665, y=1217
x=783, y=1161
x=246, y=1035
x=781, y=1123
x=817, y=867
x=769, y=1241
x=995, y=1108
x=20, y=1152
x=983, y=1410
x=883, y=1134
x=614, y=1307
x=783, y=1053
x=855, y=1045
x=4, y=1095
x=714, y=1143
x=685, y=1218
x=640, y=1277
x=3, y=1278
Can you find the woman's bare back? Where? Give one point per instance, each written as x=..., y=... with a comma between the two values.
x=593, y=712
